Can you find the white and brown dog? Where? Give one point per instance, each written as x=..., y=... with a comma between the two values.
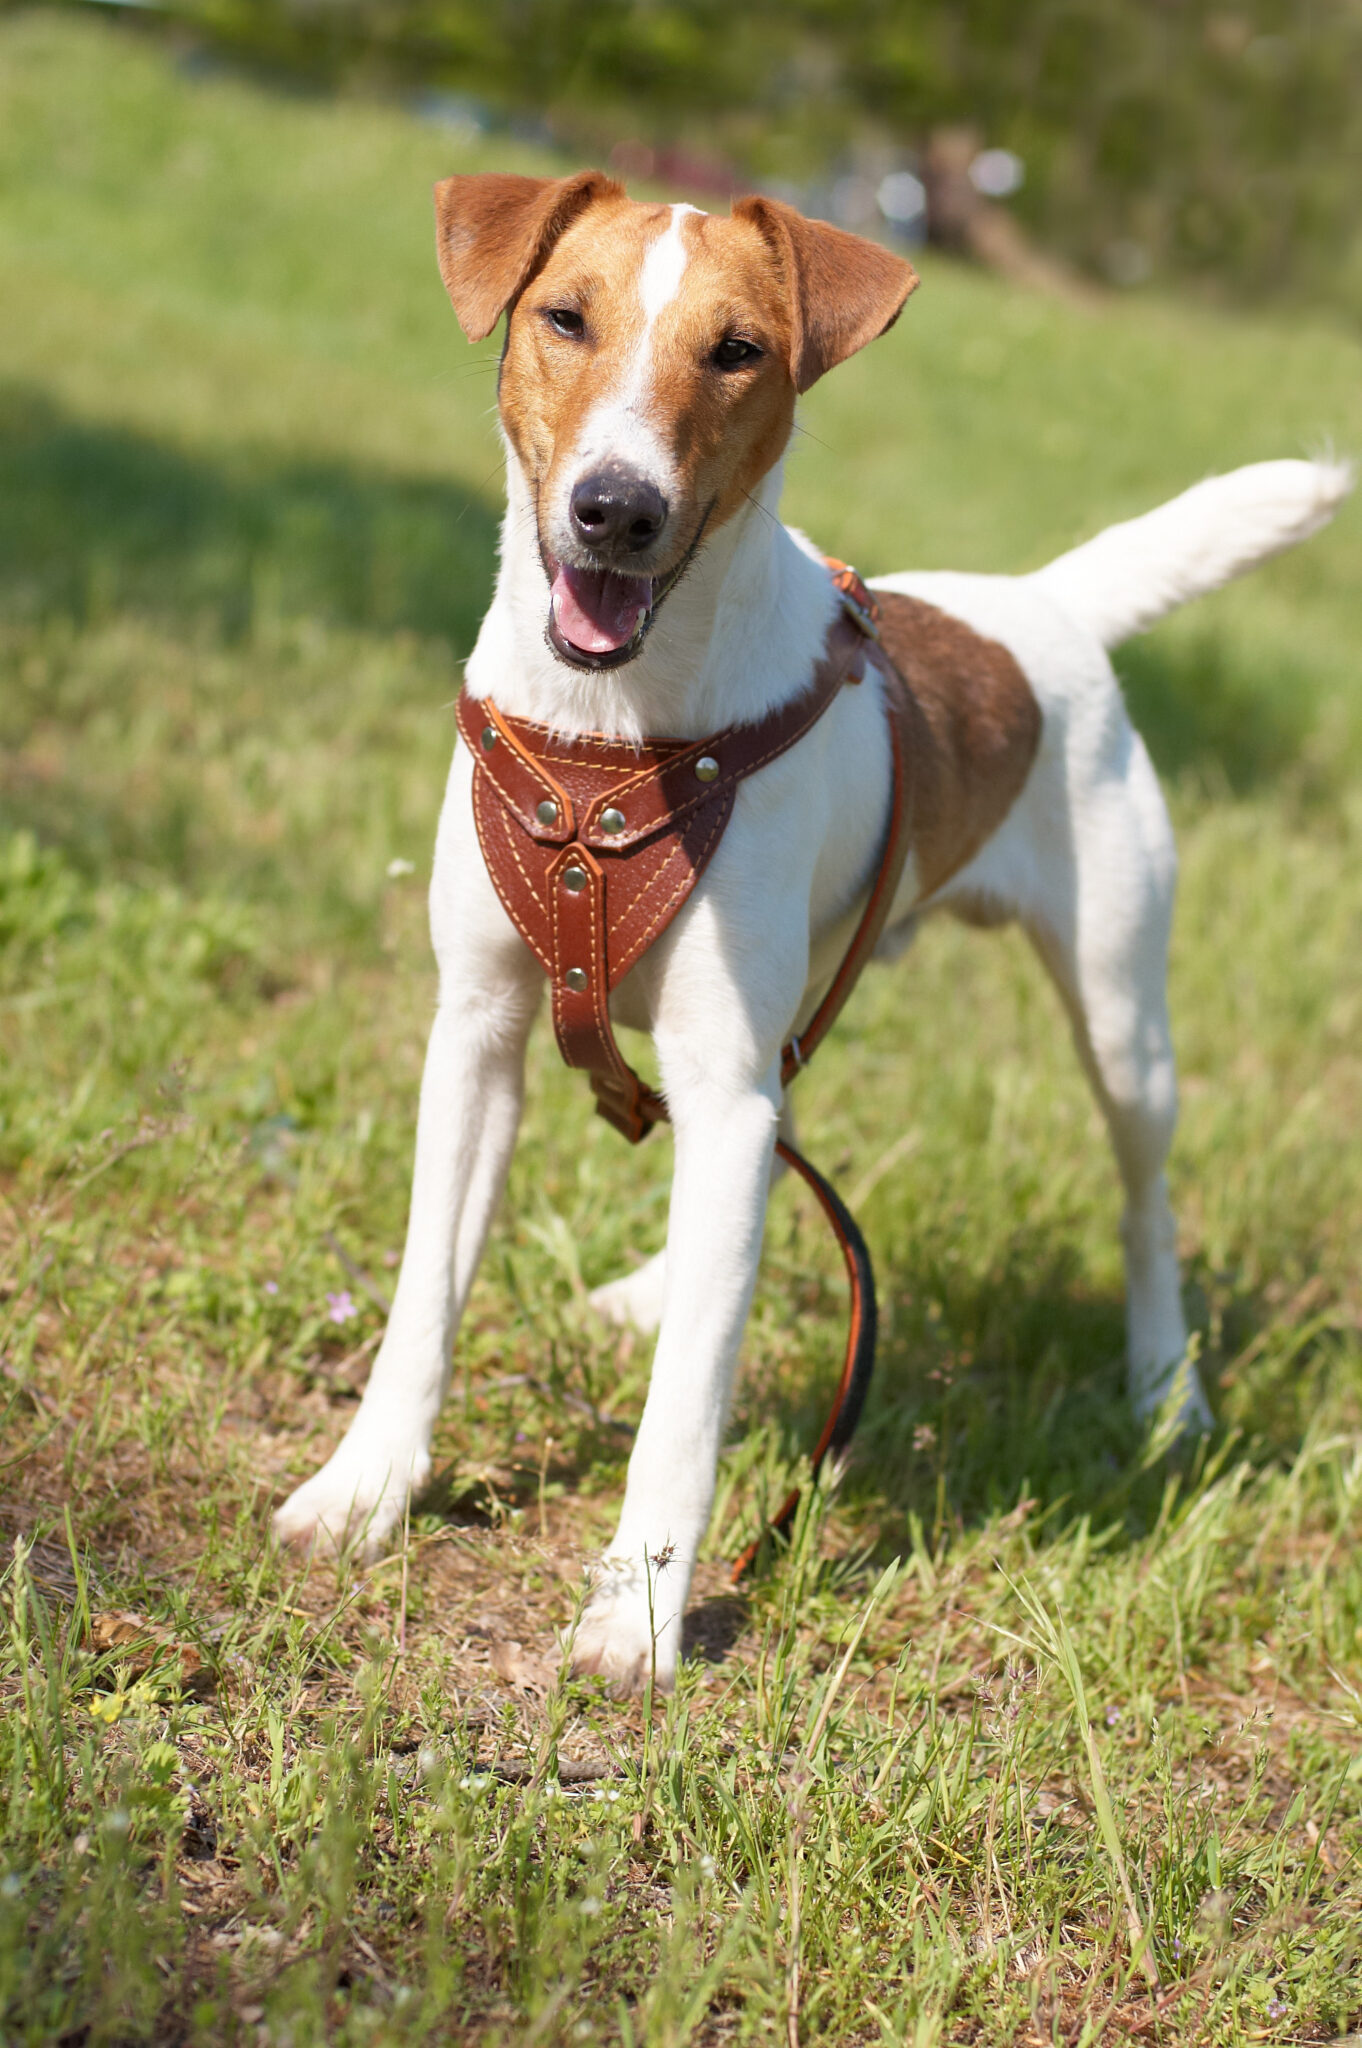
x=652, y=361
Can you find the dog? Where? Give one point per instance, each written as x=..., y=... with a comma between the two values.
x=652, y=360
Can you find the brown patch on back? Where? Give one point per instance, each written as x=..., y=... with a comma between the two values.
x=972, y=730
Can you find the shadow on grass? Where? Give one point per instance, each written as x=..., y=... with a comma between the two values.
x=1012, y=1390
x=1201, y=709
x=96, y=519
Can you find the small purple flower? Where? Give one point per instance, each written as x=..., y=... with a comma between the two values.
x=341, y=1307
x=271, y=1287
x=1177, y=1944
x=521, y=1437
x=1113, y=1716
x=1277, y=2009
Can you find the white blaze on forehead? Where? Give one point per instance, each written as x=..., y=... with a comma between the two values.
x=624, y=426
x=664, y=266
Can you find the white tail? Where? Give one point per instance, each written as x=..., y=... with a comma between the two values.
x=1134, y=573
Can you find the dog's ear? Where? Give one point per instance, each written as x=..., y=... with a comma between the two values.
x=493, y=232
x=844, y=290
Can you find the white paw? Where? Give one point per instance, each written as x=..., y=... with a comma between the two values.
x=1178, y=1384
x=634, y=1301
x=357, y=1499
x=619, y=1640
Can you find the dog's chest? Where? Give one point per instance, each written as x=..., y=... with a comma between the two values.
x=594, y=817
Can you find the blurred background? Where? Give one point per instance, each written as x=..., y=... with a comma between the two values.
x=1134, y=139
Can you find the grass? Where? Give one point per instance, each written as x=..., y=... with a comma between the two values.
x=1033, y=1734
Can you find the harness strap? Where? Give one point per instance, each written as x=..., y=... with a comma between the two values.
x=618, y=839
x=799, y=1051
x=594, y=845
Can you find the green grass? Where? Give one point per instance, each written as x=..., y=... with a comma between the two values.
x=1092, y=1766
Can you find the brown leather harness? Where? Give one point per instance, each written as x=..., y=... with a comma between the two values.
x=594, y=844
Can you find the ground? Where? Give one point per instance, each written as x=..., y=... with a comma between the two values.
x=1039, y=1730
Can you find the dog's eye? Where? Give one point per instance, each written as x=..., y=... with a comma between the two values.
x=565, y=320
x=735, y=354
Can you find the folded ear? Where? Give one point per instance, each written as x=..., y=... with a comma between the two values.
x=844, y=290
x=493, y=232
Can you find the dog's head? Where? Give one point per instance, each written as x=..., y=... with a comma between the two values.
x=652, y=360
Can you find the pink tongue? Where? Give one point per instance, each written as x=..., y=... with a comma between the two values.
x=597, y=610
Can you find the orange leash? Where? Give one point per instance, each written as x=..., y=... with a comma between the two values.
x=859, y=1362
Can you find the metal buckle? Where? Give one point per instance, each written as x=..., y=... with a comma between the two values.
x=860, y=618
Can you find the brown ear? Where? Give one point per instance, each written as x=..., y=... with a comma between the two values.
x=844, y=291
x=493, y=232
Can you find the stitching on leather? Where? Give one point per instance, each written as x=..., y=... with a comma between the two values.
x=537, y=890
x=488, y=767
x=538, y=773
x=821, y=695
x=599, y=743
x=506, y=903
x=600, y=992
x=661, y=918
x=600, y=1016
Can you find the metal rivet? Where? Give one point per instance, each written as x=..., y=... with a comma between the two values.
x=547, y=812
x=706, y=768
x=489, y=738
x=574, y=879
x=612, y=821
x=576, y=978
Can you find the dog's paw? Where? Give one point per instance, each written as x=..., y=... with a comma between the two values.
x=1173, y=1396
x=354, y=1502
x=634, y=1301
x=618, y=1640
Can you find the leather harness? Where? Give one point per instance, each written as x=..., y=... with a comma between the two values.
x=593, y=845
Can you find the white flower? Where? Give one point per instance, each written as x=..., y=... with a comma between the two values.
x=397, y=869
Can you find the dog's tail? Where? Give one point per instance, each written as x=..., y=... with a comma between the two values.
x=1133, y=574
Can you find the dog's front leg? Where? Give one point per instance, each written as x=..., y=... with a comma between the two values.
x=724, y=1142
x=470, y=1109
x=471, y=1096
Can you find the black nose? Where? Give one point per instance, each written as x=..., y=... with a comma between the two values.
x=617, y=511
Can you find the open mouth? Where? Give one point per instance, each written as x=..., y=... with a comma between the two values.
x=597, y=613
x=599, y=618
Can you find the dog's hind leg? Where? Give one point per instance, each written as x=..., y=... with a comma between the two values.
x=1101, y=927
x=634, y=1300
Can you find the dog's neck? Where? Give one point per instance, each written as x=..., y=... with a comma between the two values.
x=738, y=634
